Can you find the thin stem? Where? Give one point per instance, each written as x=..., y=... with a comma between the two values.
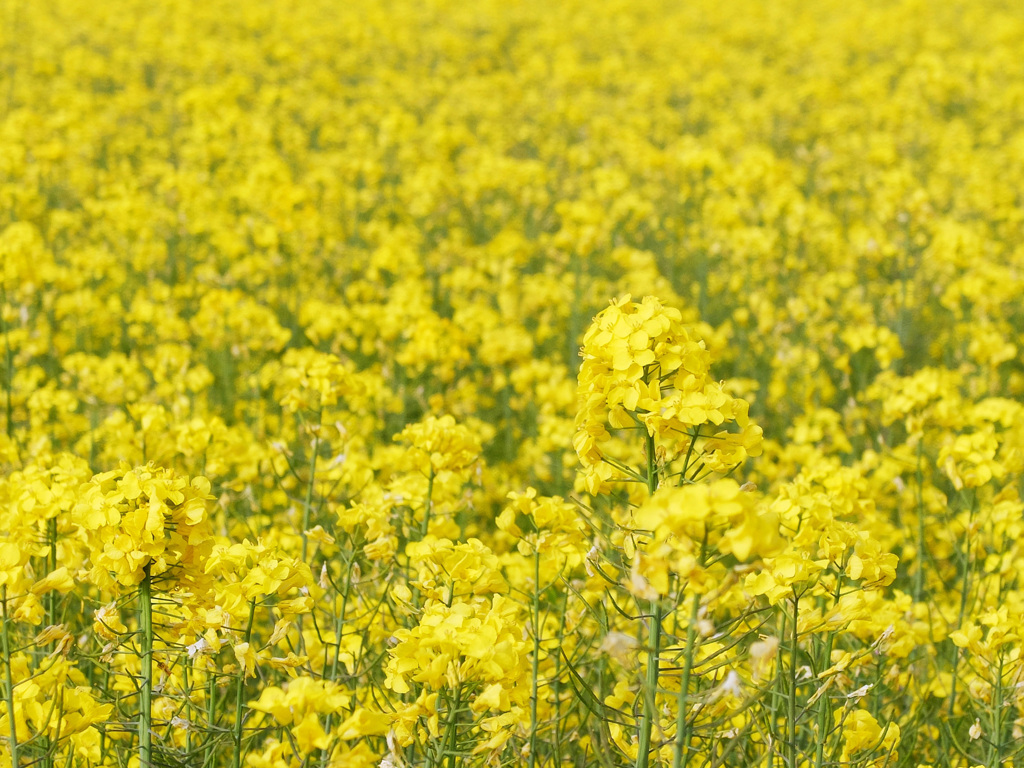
x=996, y=735
x=339, y=627
x=791, y=741
x=650, y=687
x=9, y=687
x=188, y=705
x=50, y=746
x=964, y=592
x=681, y=751
x=239, y=692
x=308, y=506
x=425, y=526
x=776, y=697
x=689, y=452
x=536, y=659
x=211, y=712
x=919, y=482
x=146, y=676
x=51, y=598
x=824, y=710
x=51, y=618
x=652, y=464
x=643, y=754
x=556, y=684
x=449, y=742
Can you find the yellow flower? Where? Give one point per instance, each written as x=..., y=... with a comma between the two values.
x=439, y=444
x=469, y=642
x=862, y=732
x=145, y=520
x=309, y=734
x=871, y=565
x=245, y=653
x=783, y=575
x=643, y=366
x=556, y=530
x=59, y=580
x=446, y=570
x=365, y=722
x=312, y=381
x=107, y=623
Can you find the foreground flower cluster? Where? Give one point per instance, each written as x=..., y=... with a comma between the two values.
x=491, y=384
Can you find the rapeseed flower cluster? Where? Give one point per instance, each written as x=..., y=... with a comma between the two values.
x=143, y=523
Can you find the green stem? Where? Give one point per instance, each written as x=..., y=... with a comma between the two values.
x=308, y=506
x=791, y=741
x=188, y=705
x=643, y=754
x=556, y=684
x=146, y=675
x=50, y=746
x=425, y=526
x=339, y=628
x=652, y=465
x=239, y=693
x=211, y=713
x=919, y=480
x=964, y=592
x=449, y=741
x=51, y=617
x=535, y=670
x=996, y=736
x=776, y=697
x=681, y=751
x=9, y=687
x=823, y=703
x=689, y=453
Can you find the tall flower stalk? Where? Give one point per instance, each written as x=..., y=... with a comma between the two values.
x=643, y=369
x=145, y=722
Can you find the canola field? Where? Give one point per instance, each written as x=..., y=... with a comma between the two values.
x=449, y=385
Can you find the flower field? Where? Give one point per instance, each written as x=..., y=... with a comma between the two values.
x=444, y=385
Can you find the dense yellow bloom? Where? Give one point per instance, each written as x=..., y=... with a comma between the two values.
x=73, y=724
x=784, y=576
x=690, y=524
x=446, y=570
x=145, y=521
x=475, y=643
x=441, y=445
x=555, y=530
x=253, y=571
x=643, y=367
x=311, y=380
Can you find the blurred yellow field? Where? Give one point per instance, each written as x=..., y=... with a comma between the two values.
x=530, y=383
